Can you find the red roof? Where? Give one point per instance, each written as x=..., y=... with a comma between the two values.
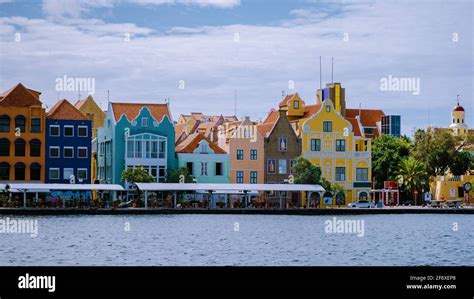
x=131, y=110
x=65, y=110
x=191, y=142
x=458, y=108
x=310, y=110
x=271, y=117
x=265, y=128
x=20, y=96
x=368, y=117
x=355, y=126
x=285, y=101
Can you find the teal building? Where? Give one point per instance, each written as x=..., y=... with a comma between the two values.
x=135, y=134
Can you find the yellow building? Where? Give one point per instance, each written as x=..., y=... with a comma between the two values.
x=92, y=111
x=336, y=145
x=22, y=135
x=450, y=187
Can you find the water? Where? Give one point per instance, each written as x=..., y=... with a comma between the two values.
x=173, y=240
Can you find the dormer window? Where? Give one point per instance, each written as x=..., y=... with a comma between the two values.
x=296, y=104
x=145, y=122
x=328, y=108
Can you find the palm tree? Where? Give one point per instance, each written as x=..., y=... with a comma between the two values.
x=411, y=173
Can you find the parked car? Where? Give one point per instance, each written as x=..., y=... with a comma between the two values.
x=361, y=204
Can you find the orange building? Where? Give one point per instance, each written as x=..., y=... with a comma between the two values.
x=22, y=135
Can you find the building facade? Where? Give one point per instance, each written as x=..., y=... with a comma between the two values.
x=330, y=142
x=205, y=160
x=68, y=145
x=22, y=135
x=135, y=135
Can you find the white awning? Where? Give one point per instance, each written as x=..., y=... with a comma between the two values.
x=227, y=187
x=31, y=187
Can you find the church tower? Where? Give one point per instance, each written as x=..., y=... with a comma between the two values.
x=458, y=125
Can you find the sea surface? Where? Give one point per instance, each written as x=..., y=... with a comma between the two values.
x=244, y=240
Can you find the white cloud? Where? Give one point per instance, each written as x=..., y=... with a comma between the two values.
x=401, y=39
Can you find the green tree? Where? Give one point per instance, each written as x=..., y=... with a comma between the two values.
x=436, y=149
x=306, y=173
x=410, y=174
x=387, y=153
x=461, y=163
x=137, y=175
x=174, y=176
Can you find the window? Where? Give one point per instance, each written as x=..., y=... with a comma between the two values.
x=369, y=131
x=240, y=154
x=189, y=166
x=19, y=172
x=240, y=176
x=82, y=131
x=35, y=125
x=54, y=173
x=203, y=168
x=68, y=131
x=292, y=166
x=161, y=174
x=340, y=145
x=246, y=133
x=20, y=123
x=362, y=174
x=253, y=177
x=315, y=145
x=154, y=172
x=20, y=146
x=54, y=130
x=147, y=153
x=68, y=152
x=138, y=148
x=327, y=126
x=130, y=149
x=154, y=149
x=271, y=167
x=296, y=105
x=35, y=172
x=82, y=174
x=54, y=151
x=82, y=152
x=282, y=169
x=340, y=173
x=145, y=122
x=328, y=108
x=67, y=172
x=4, y=147
x=218, y=168
x=4, y=171
x=253, y=154
x=4, y=123
x=204, y=149
x=282, y=144
x=35, y=148
x=162, y=149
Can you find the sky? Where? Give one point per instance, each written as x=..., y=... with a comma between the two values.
x=201, y=55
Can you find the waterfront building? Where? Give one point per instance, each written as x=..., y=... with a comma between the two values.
x=68, y=145
x=135, y=134
x=204, y=159
x=336, y=145
x=94, y=113
x=391, y=125
x=244, y=144
x=22, y=135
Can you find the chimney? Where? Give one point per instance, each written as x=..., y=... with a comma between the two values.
x=282, y=113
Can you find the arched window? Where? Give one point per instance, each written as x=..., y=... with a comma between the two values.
x=4, y=147
x=20, y=171
x=20, y=122
x=35, y=172
x=35, y=148
x=20, y=145
x=4, y=171
x=363, y=195
x=4, y=123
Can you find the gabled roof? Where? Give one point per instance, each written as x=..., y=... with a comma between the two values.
x=131, y=110
x=310, y=110
x=265, y=128
x=368, y=117
x=191, y=142
x=81, y=103
x=355, y=126
x=285, y=100
x=66, y=111
x=20, y=96
x=271, y=117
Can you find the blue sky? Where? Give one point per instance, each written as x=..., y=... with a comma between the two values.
x=193, y=41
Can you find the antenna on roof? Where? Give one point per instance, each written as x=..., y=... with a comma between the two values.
x=320, y=74
x=283, y=94
x=108, y=95
x=332, y=69
x=457, y=96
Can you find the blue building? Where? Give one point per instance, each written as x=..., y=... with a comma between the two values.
x=391, y=125
x=135, y=135
x=68, y=145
